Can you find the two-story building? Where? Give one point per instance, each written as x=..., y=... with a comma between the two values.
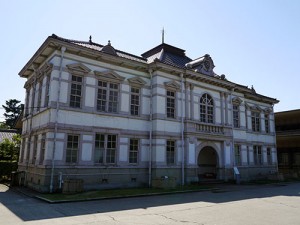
x=114, y=119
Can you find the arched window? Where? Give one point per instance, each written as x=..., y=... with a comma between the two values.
x=206, y=109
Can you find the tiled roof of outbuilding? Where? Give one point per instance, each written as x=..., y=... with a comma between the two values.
x=7, y=134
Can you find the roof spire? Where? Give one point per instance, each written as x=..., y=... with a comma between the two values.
x=163, y=36
x=90, y=38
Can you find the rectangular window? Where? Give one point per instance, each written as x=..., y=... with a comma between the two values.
x=47, y=93
x=43, y=149
x=76, y=90
x=267, y=123
x=170, y=149
x=269, y=156
x=72, y=149
x=111, y=149
x=35, y=142
x=133, y=151
x=39, y=96
x=257, y=155
x=135, y=101
x=237, y=155
x=171, y=104
x=108, y=97
x=255, y=117
x=236, y=116
x=105, y=148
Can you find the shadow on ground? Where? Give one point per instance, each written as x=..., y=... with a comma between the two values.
x=30, y=209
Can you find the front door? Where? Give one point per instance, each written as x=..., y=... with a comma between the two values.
x=207, y=163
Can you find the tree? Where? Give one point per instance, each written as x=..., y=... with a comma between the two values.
x=13, y=109
x=9, y=149
x=3, y=125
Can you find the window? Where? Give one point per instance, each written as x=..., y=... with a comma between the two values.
x=76, y=86
x=108, y=97
x=72, y=149
x=267, y=123
x=269, y=156
x=39, y=96
x=43, y=148
x=206, y=109
x=171, y=104
x=28, y=150
x=257, y=155
x=170, y=152
x=135, y=101
x=105, y=148
x=255, y=117
x=35, y=142
x=27, y=102
x=47, y=94
x=237, y=154
x=133, y=151
x=236, y=116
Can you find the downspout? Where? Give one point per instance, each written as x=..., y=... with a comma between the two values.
x=182, y=133
x=63, y=49
x=150, y=132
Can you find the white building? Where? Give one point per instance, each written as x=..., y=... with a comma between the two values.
x=115, y=119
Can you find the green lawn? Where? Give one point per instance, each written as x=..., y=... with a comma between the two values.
x=114, y=193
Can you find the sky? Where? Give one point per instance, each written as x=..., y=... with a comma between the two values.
x=252, y=42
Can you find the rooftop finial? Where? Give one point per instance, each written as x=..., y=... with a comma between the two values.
x=163, y=35
x=108, y=42
x=90, y=38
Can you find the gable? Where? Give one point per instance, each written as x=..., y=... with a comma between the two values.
x=78, y=68
x=137, y=81
x=172, y=85
x=109, y=75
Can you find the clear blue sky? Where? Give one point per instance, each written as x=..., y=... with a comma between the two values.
x=252, y=42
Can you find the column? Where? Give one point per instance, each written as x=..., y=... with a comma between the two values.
x=222, y=107
x=187, y=113
x=192, y=102
x=226, y=108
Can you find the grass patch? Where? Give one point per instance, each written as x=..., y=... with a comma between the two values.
x=117, y=193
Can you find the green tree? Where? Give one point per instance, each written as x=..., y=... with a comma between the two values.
x=13, y=109
x=9, y=149
x=3, y=125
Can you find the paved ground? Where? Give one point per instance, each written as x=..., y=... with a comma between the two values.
x=237, y=205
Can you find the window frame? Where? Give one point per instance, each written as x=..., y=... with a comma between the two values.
x=255, y=121
x=236, y=115
x=207, y=110
x=74, y=152
x=237, y=155
x=110, y=106
x=257, y=155
x=171, y=104
x=107, y=152
x=42, y=149
x=171, y=152
x=269, y=156
x=77, y=102
x=134, y=149
x=135, y=101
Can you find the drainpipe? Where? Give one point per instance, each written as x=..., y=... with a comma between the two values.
x=63, y=49
x=182, y=130
x=151, y=128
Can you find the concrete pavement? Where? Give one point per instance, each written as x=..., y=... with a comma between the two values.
x=266, y=204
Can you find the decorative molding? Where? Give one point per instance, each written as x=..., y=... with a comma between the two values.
x=136, y=81
x=256, y=108
x=109, y=76
x=237, y=100
x=172, y=85
x=78, y=69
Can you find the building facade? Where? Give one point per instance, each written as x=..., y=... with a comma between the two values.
x=114, y=119
x=288, y=142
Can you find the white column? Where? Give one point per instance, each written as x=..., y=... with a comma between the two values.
x=222, y=107
x=244, y=155
x=264, y=155
x=251, y=158
x=262, y=122
x=187, y=113
x=192, y=101
x=226, y=108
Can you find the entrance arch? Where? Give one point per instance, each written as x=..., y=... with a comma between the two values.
x=207, y=163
